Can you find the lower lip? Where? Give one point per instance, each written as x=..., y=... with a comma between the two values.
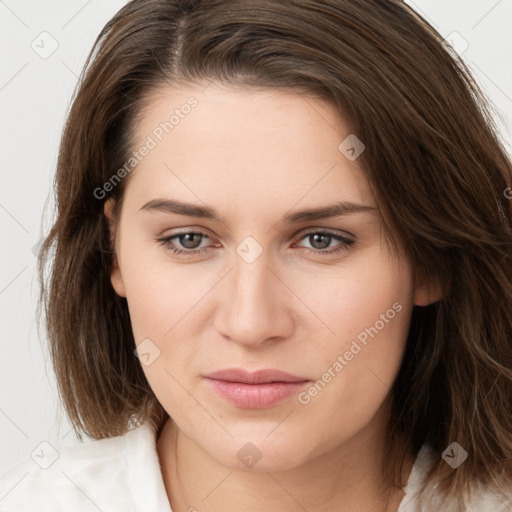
x=256, y=396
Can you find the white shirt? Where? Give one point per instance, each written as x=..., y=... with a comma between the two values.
x=122, y=474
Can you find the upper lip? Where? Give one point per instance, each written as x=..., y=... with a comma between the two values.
x=257, y=377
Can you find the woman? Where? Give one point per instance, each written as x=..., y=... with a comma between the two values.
x=283, y=276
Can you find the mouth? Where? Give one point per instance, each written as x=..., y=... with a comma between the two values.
x=257, y=390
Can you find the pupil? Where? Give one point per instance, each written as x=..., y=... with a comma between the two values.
x=317, y=237
x=187, y=240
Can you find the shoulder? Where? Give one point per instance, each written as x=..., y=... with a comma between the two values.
x=480, y=499
x=115, y=474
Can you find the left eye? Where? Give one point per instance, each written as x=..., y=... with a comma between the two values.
x=324, y=240
x=190, y=242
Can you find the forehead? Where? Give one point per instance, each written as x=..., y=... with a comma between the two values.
x=222, y=142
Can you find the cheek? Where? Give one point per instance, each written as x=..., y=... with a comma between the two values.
x=166, y=304
x=160, y=293
x=161, y=296
x=365, y=309
x=356, y=296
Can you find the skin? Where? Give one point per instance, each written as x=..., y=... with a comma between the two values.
x=255, y=156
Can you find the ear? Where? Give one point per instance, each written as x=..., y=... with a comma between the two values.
x=427, y=291
x=115, y=274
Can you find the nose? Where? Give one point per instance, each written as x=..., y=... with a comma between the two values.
x=255, y=305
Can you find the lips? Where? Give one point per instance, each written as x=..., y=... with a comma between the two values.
x=257, y=390
x=258, y=377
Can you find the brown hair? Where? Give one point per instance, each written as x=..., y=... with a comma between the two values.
x=433, y=157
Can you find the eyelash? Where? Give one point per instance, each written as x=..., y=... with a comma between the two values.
x=346, y=243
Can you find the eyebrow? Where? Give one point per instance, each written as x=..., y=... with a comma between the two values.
x=204, y=212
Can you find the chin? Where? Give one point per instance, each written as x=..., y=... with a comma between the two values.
x=260, y=456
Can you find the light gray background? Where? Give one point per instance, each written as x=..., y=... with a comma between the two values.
x=35, y=95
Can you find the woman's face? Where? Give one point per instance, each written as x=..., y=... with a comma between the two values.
x=262, y=286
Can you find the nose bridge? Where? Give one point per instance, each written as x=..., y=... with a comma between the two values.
x=251, y=282
x=251, y=313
